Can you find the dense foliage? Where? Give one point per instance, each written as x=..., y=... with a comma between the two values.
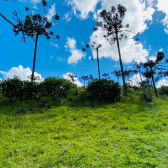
x=104, y=90
x=16, y=89
x=164, y=90
x=12, y=88
x=56, y=87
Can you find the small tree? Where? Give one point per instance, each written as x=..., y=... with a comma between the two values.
x=117, y=74
x=105, y=75
x=84, y=78
x=137, y=68
x=72, y=76
x=94, y=47
x=112, y=23
x=152, y=67
x=34, y=26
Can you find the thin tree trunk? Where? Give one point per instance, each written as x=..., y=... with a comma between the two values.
x=7, y=19
x=122, y=71
x=98, y=61
x=34, y=60
x=154, y=84
x=140, y=75
x=150, y=92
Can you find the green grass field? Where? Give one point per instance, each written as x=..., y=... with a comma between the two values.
x=118, y=135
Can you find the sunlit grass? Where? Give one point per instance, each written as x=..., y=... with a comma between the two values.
x=129, y=134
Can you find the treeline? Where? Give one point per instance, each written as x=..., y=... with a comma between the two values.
x=58, y=88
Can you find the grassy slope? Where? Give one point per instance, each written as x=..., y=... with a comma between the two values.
x=115, y=135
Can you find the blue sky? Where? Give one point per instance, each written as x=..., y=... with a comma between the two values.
x=75, y=27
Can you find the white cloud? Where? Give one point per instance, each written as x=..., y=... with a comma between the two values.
x=130, y=51
x=51, y=57
x=95, y=16
x=116, y=66
x=137, y=14
x=66, y=76
x=134, y=81
x=67, y=16
x=55, y=45
x=19, y=71
x=35, y=7
x=61, y=59
x=84, y=6
x=76, y=55
x=162, y=82
x=150, y=2
x=31, y=1
x=36, y=1
x=166, y=31
x=51, y=12
x=162, y=6
x=153, y=58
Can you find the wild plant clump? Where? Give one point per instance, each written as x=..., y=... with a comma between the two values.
x=104, y=90
x=164, y=90
x=15, y=89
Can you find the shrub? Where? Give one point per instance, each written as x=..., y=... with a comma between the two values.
x=30, y=89
x=104, y=90
x=130, y=90
x=12, y=88
x=55, y=87
x=164, y=90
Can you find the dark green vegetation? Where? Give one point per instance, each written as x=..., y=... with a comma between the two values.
x=77, y=132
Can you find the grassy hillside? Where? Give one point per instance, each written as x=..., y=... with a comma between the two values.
x=119, y=135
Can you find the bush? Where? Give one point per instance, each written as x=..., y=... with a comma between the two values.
x=55, y=87
x=12, y=88
x=164, y=90
x=104, y=90
x=51, y=86
x=30, y=89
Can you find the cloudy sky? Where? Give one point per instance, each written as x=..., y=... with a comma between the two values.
x=75, y=27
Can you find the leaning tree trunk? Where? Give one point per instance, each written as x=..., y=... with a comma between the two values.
x=154, y=84
x=34, y=60
x=98, y=61
x=121, y=65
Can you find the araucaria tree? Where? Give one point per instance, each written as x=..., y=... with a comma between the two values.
x=117, y=74
x=84, y=78
x=34, y=26
x=112, y=23
x=154, y=67
x=94, y=47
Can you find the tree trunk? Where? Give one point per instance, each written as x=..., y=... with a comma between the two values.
x=34, y=60
x=154, y=84
x=140, y=75
x=98, y=62
x=121, y=65
x=7, y=19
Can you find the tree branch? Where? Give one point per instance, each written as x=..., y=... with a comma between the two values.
x=7, y=19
